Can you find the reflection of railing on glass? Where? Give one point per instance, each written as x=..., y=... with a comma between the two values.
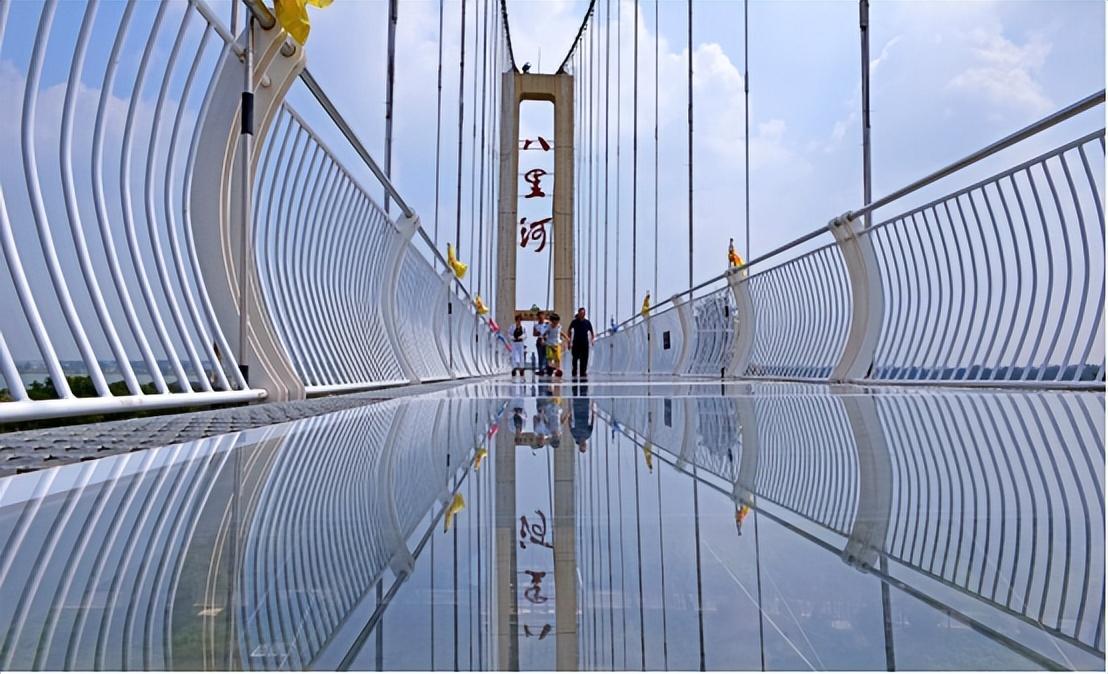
x=135, y=570
x=999, y=497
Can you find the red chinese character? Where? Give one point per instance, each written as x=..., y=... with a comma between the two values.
x=542, y=143
x=536, y=230
x=534, y=176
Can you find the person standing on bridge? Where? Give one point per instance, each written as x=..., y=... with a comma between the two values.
x=518, y=337
x=581, y=338
x=539, y=332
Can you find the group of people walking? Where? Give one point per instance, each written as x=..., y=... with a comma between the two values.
x=549, y=344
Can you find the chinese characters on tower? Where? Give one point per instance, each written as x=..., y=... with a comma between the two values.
x=535, y=231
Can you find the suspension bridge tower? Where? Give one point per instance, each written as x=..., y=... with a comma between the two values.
x=556, y=89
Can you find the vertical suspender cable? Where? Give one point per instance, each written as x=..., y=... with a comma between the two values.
x=596, y=170
x=598, y=174
x=390, y=79
x=589, y=102
x=863, y=23
x=619, y=143
x=657, y=188
x=461, y=118
x=746, y=111
x=761, y=606
x=438, y=131
x=476, y=254
x=696, y=481
x=480, y=156
x=607, y=139
x=690, y=148
x=594, y=167
x=458, y=231
x=635, y=164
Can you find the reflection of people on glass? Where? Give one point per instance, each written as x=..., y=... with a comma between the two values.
x=539, y=427
x=555, y=417
x=582, y=417
x=518, y=415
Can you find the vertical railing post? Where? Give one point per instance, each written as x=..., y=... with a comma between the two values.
x=745, y=324
x=406, y=227
x=867, y=299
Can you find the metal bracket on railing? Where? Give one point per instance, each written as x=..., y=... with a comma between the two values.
x=406, y=227
x=216, y=217
x=682, y=307
x=867, y=299
x=745, y=324
x=875, y=479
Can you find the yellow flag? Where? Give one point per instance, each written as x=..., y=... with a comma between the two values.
x=459, y=268
x=482, y=453
x=648, y=454
x=452, y=511
x=481, y=308
x=646, y=305
x=293, y=16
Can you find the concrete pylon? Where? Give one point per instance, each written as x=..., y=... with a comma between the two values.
x=557, y=89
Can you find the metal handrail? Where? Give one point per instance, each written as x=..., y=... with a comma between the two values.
x=1047, y=122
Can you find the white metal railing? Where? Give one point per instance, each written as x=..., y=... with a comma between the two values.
x=120, y=233
x=999, y=282
x=104, y=282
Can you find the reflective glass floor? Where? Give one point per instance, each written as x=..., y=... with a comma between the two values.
x=614, y=525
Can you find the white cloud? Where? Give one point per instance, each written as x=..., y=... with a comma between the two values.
x=1005, y=72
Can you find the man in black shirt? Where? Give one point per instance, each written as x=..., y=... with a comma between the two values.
x=581, y=337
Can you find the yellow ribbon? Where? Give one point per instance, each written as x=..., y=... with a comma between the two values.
x=456, y=506
x=293, y=16
x=459, y=268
